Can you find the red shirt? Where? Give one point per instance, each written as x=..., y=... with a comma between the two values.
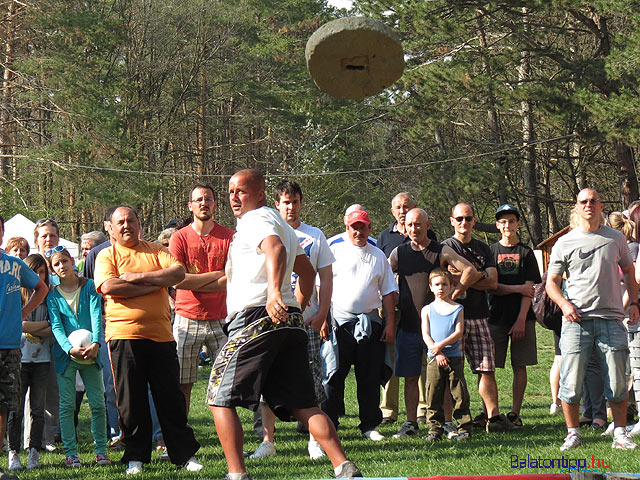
x=199, y=254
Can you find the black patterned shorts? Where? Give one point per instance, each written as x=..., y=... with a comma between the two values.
x=262, y=357
x=10, y=379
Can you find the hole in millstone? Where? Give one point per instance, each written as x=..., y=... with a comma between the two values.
x=359, y=63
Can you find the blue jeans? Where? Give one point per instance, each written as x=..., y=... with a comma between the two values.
x=92, y=379
x=113, y=423
x=576, y=344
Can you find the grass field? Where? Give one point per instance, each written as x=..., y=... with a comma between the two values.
x=484, y=454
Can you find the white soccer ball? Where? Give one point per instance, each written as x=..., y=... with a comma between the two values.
x=80, y=338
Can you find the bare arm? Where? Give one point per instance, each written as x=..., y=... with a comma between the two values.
x=306, y=280
x=318, y=320
x=204, y=282
x=554, y=290
x=468, y=274
x=38, y=329
x=117, y=287
x=164, y=277
x=632, y=289
x=518, y=330
x=526, y=289
x=275, y=265
x=388, y=307
x=39, y=294
x=489, y=282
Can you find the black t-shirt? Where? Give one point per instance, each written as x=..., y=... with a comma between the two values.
x=391, y=238
x=479, y=255
x=414, y=267
x=516, y=266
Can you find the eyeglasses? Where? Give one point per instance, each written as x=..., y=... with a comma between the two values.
x=592, y=201
x=51, y=251
x=507, y=222
x=460, y=219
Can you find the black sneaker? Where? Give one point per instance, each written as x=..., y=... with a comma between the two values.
x=7, y=476
x=515, y=419
x=432, y=437
x=388, y=421
x=499, y=423
x=480, y=421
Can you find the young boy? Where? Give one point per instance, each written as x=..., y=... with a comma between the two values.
x=510, y=313
x=14, y=273
x=442, y=329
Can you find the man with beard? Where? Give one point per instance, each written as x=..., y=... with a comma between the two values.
x=202, y=248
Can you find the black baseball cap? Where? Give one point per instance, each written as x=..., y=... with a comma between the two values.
x=507, y=208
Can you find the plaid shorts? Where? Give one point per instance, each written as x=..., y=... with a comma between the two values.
x=478, y=345
x=9, y=379
x=190, y=335
x=315, y=362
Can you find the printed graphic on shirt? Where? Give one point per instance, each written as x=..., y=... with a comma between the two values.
x=508, y=263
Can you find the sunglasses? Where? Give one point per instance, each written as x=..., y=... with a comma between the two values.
x=593, y=201
x=46, y=220
x=51, y=251
x=460, y=219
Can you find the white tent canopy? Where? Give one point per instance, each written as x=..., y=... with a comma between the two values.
x=21, y=226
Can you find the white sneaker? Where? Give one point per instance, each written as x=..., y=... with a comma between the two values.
x=315, y=450
x=266, y=449
x=14, y=461
x=635, y=430
x=193, y=465
x=450, y=430
x=555, y=408
x=571, y=441
x=623, y=442
x=164, y=455
x=50, y=447
x=134, y=467
x=34, y=459
x=373, y=435
x=609, y=430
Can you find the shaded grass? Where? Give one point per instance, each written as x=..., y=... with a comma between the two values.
x=484, y=454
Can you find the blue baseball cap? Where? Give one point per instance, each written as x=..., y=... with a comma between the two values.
x=507, y=208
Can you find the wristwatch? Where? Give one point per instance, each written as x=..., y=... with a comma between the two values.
x=635, y=303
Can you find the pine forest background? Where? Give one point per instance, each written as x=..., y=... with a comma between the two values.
x=132, y=101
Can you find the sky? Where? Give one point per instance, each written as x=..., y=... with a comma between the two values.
x=341, y=3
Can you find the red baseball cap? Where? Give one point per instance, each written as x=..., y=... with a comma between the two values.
x=358, y=216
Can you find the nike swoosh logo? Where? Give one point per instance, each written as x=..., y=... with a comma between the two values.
x=585, y=255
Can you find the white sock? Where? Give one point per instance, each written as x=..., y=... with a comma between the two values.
x=619, y=431
x=237, y=476
x=574, y=430
x=335, y=470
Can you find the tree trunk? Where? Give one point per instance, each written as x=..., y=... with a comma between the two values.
x=528, y=135
x=627, y=175
x=6, y=127
x=493, y=121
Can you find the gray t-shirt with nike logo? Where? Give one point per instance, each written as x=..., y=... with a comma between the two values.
x=591, y=261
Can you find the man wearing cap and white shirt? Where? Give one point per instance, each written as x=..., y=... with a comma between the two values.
x=510, y=313
x=362, y=283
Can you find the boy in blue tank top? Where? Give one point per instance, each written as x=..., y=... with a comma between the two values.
x=442, y=329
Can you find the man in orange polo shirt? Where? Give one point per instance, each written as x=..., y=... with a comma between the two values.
x=133, y=276
x=201, y=300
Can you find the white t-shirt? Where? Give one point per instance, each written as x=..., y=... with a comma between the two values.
x=361, y=276
x=315, y=246
x=246, y=274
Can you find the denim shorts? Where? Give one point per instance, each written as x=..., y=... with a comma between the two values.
x=576, y=344
x=409, y=351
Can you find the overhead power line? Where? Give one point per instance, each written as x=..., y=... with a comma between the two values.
x=513, y=147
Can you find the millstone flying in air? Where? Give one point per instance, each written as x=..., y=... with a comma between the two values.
x=354, y=57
